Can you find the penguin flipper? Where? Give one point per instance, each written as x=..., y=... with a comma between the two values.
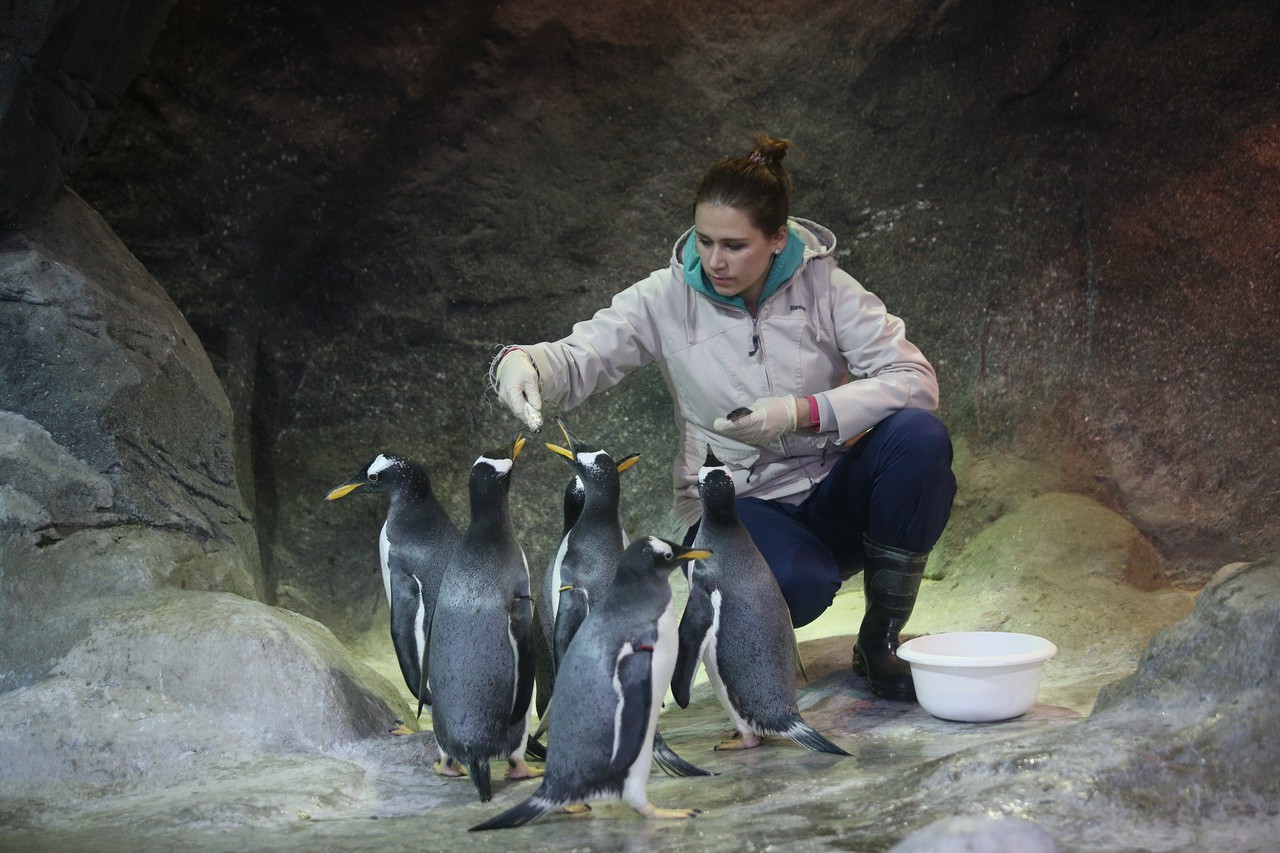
x=405, y=594
x=799, y=656
x=521, y=625
x=810, y=738
x=569, y=615
x=633, y=676
x=424, y=687
x=695, y=625
x=670, y=763
x=518, y=815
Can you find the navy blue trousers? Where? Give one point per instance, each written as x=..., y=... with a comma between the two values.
x=895, y=486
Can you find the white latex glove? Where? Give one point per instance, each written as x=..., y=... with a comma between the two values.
x=518, y=387
x=768, y=419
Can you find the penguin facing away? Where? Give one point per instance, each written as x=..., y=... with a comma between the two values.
x=736, y=623
x=481, y=639
x=414, y=546
x=614, y=675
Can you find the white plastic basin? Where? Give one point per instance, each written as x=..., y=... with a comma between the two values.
x=977, y=676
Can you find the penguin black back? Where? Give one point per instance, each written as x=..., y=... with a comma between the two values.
x=481, y=641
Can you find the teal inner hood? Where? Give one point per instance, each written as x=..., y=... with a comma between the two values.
x=784, y=266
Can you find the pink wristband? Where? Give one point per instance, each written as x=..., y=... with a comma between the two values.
x=815, y=416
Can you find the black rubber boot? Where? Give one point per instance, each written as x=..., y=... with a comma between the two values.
x=890, y=579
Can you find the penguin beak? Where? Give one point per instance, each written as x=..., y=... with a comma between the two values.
x=693, y=554
x=563, y=451
x=627, y=461
x=343, y=490
x=517, y=446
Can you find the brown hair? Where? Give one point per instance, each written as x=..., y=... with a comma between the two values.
x=757, y=184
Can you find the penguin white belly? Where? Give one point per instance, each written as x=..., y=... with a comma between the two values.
x=710, y=662
x=663, y=666
x=384, y=553
x=515, y=686
x=556, y=582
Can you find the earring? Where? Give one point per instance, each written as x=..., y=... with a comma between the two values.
x=777, y=251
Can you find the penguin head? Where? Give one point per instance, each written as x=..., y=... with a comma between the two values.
x=655, y=555
x=715, y=486
x=386, y=473
x=497, y=464
x=592, y=464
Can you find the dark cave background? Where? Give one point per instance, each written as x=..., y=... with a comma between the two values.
x=1073, y=206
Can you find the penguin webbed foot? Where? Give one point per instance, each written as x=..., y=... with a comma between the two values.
x=652, y=812
x=518, y=768
x=449, y=768
x=737, y=741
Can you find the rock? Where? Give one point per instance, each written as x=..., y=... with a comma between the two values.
x=64, y=67
x=116, y=445
x=979, y=835
x=166, y=686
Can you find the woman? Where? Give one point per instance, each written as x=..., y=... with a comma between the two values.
x=833, y=476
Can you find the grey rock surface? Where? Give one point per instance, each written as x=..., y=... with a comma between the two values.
x=1127, y=777
x=979, y=835
x=115, y=456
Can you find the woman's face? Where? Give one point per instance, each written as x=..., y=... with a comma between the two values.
x=735, y=254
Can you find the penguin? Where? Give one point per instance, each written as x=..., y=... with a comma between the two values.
x=584, y=565
x=574, y=498
x=614, y=675
x=480, y=643
x=737, y=624
x=416, y=542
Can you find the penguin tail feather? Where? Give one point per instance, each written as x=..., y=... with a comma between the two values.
x=670, y=763
x=518, y=815
x=810, y=738
x=478, y=770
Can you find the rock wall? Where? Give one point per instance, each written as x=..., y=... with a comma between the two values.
x=128, y=562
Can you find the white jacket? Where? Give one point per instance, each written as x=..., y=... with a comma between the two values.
x=821, y=329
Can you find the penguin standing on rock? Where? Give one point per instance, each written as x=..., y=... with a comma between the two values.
x=481, y=638
x=614, y=676
x=737, y=624
x=416, y=542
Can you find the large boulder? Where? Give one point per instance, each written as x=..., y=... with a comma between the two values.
x=133, y=655
x=116, y=453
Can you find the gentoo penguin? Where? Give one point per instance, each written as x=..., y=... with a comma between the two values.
x=574, y=497
x=737, y=624
x=416, y=542
x=614, y=676
x=584, y=565
x=481, y=639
